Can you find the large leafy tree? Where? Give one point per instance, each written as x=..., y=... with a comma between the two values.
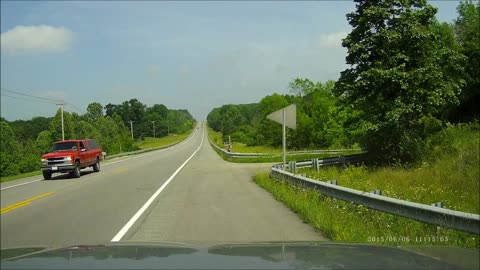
x=94, y=110
x=231, y=120
x=399, y=74
x=467, y=34
x=44, y=141
x=270, y=132
x=68, y=126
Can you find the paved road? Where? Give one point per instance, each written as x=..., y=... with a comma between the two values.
x=185, y=193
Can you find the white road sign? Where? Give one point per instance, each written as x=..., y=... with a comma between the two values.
x=290, y=116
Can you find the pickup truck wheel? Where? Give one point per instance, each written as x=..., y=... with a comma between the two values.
x=47, y=175
x=96, y=167
x=76, y=171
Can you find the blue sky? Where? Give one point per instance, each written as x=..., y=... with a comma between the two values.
x=186, y=55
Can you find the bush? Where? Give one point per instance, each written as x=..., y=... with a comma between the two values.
x=29, y=163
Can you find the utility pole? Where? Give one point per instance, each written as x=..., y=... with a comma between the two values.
x=153, y=122
x=61, y=109
x=131, y=127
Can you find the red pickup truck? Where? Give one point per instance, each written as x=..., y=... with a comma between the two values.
x=71, y=156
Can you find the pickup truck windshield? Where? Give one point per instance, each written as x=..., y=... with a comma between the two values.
x=64, y=146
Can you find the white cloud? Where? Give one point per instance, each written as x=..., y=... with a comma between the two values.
x=332, y=40
x=36, y=39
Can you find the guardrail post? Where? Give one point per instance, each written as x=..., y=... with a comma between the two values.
x=315, y=164
x=333, y=182
x=292, y=165
x=341, y=159
x=438, y=204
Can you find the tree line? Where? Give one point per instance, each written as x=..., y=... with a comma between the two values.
x=22, y=142
x=320, y=123
x=408, y=77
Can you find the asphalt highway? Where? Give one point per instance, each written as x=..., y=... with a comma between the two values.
x=185, y=193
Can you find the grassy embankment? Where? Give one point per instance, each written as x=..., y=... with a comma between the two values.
x=451, y=175
x=216, y=138
x=148, y=142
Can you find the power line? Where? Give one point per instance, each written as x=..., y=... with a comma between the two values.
x=28, y=95
x=75, y=107
x=38, y=101
x=52, y=101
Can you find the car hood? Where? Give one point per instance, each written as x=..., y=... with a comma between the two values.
x=59, y=154
x=277, y=255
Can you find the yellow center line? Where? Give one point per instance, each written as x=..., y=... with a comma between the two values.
x=119, y=170
x=23, y=203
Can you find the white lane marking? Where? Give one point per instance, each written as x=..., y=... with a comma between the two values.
x=21, y=184
x=137, y=215
x=113, y=162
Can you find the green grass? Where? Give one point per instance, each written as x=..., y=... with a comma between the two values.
x=243, y=148
x=451, y=174
x=346, y=222
x=425, y=185
x=215, y=137
x=150, y=142
x=18, y=176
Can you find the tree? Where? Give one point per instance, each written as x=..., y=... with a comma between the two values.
x=94, y=110
x=214, y=119
x=44, y=141
x=68, y=126
x=110, y=109
x=85, y=130
x=231, y=119
x=9, y=151
x=29, y=129
x=467, y=34
x=270, y=132
x=399, y=74
x=272, y=103
x=301, y=87
x=158, y=109
x=30, y=157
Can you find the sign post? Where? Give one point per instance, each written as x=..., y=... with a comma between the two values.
x=288, y=118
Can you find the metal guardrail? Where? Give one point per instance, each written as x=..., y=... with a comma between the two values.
x=317, y=163
x=462, y=221
x=292, y=153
